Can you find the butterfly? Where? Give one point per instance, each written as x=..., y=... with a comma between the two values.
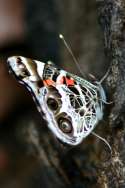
x=71, y=105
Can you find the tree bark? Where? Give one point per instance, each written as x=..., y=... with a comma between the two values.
x=112, y=21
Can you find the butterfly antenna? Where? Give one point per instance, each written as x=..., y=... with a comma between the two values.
x=105, y=76
x=71, y=53
x=103, y=139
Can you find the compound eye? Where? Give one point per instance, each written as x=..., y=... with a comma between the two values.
x=65, y=125
x=52, y=103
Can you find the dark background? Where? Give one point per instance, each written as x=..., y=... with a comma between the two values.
x=30, y=156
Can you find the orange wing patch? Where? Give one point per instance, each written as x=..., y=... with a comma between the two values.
x=48, y=82
x=62, y=80
x=69, y=81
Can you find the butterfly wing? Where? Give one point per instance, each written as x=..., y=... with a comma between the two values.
x=71, y=105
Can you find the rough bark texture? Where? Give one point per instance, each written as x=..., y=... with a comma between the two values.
x=112, y=20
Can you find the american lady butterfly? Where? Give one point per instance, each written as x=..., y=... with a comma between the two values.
x=71, y=105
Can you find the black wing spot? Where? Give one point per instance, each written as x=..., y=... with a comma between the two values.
x=87, y=99
x=80, y=101
x=64, y=80
x=93, y=110
x=74, y=102
x=83, y=89
x=82, y=112
x=67, y=76
x=54, y=78
x=40, y=83
x=74, y=90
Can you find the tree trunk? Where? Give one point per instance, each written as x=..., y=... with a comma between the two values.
x=112, y=20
